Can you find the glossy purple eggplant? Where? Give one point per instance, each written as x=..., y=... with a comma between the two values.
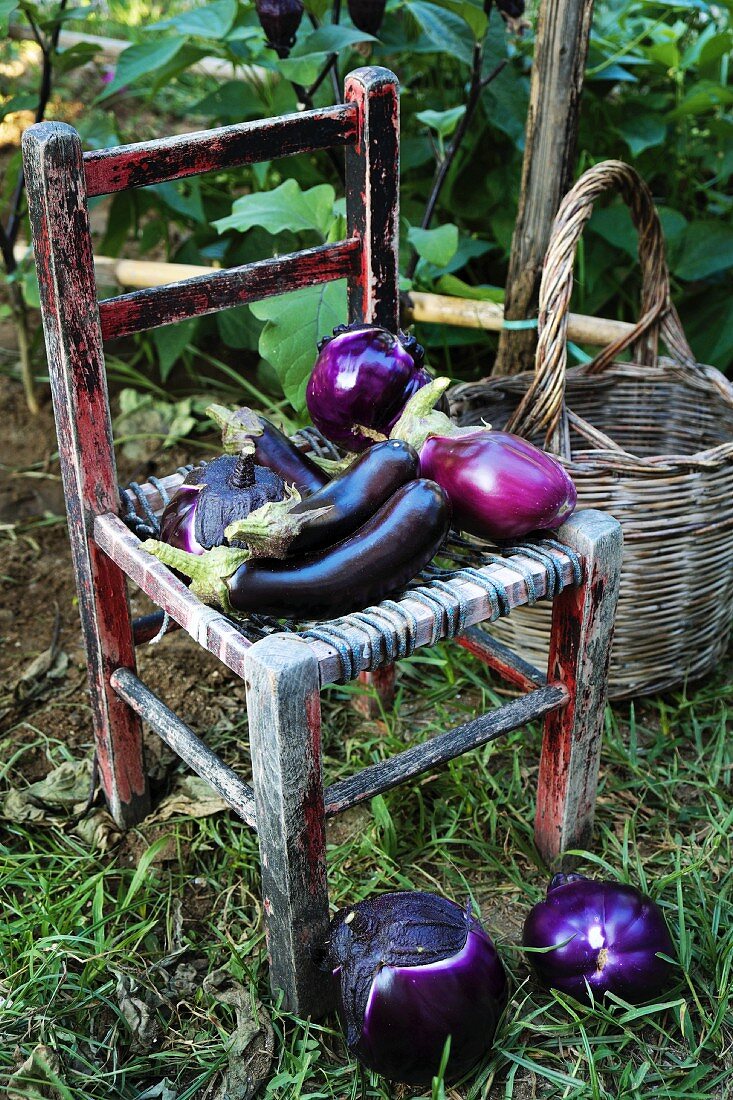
x=361, y=381
x=378, y=559
x=413, y=969
x=606, y=937
x=501, y=486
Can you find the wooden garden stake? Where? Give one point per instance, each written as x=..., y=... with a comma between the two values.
x=561, y=48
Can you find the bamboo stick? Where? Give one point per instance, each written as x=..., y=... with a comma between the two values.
x=434, y=308
x=111, y=48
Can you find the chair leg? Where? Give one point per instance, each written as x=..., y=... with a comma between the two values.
x=283, y=703
x=383, y=682
x=580, y=645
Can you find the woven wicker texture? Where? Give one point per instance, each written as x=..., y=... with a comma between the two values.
x=649, y=441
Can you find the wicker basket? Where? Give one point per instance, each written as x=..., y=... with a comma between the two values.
x=650, y=441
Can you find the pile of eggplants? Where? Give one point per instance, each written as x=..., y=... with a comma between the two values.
x=315, y=547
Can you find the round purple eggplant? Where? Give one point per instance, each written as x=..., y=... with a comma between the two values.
x=361, y=381
x=606, y=937
x=214, y=496
x=413, y=970
x=501, y=486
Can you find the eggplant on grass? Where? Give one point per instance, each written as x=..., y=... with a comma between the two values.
x=501, y=486
x=380, y=558
x=413, y=970
x=598, y=937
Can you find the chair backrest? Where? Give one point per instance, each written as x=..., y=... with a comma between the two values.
x=61, y=178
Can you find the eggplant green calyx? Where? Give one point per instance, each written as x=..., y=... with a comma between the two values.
x=237, y=427
x=269, y=530
x=208, y=572
x=420, y=419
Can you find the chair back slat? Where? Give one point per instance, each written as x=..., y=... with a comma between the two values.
x=171, y=158
x=234, y=286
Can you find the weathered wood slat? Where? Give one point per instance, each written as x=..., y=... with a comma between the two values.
x=206, y=626
x=171, y=158
x=63, y=247
x=283, y=702
x=502, y=659
x=580, y=649
x=178, y=736
x=474, y=597
x=234, y=286
x=414, y=761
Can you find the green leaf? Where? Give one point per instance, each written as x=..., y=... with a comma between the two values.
x=474, y=15
x=302, y=70
x=30, y=290
x=330, y=38
x=170, y=343
x=295, y=322
x=443, y=122
x=448, y=32
x=286, y=207
x=183, y=196
x=74, y=57
x=437, y=246
x=23, y=102
x=640, y=131
x=142, y=60
x=238, y=328
x=451, y=284
x=232, y=101
x=210, y=21
x=7, y=7
x=707, y=247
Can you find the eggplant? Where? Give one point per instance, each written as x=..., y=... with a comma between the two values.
x=413, y=969
x=361, y=381
x=501, y=486
x=280, y=20
x=380, y=558
x=336, y=510
x=272, y=448
x=589, y=938
x=214, y=496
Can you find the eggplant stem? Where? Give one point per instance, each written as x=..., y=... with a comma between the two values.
x=208, y=572
x=270, y=529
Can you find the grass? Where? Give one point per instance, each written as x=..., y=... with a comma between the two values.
x=74, y=922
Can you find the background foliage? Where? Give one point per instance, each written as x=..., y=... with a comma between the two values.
x=657, y=95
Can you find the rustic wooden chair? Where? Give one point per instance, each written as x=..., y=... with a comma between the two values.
x=284, y=673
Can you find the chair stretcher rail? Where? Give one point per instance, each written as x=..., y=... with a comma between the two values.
x=238, y=794
x=149, y=162
x=406, y=765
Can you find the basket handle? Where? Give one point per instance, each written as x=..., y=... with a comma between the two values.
x=543, y=403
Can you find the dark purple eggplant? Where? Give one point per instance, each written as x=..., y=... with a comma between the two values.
x=414, y=969
x=367, y=15
x=380, y=558
x=336, y=510
x=280, y=20
x=273, y=449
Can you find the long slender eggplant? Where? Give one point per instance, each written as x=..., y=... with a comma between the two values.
x=380, y=558
x=336, y=510
x=273, y=449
